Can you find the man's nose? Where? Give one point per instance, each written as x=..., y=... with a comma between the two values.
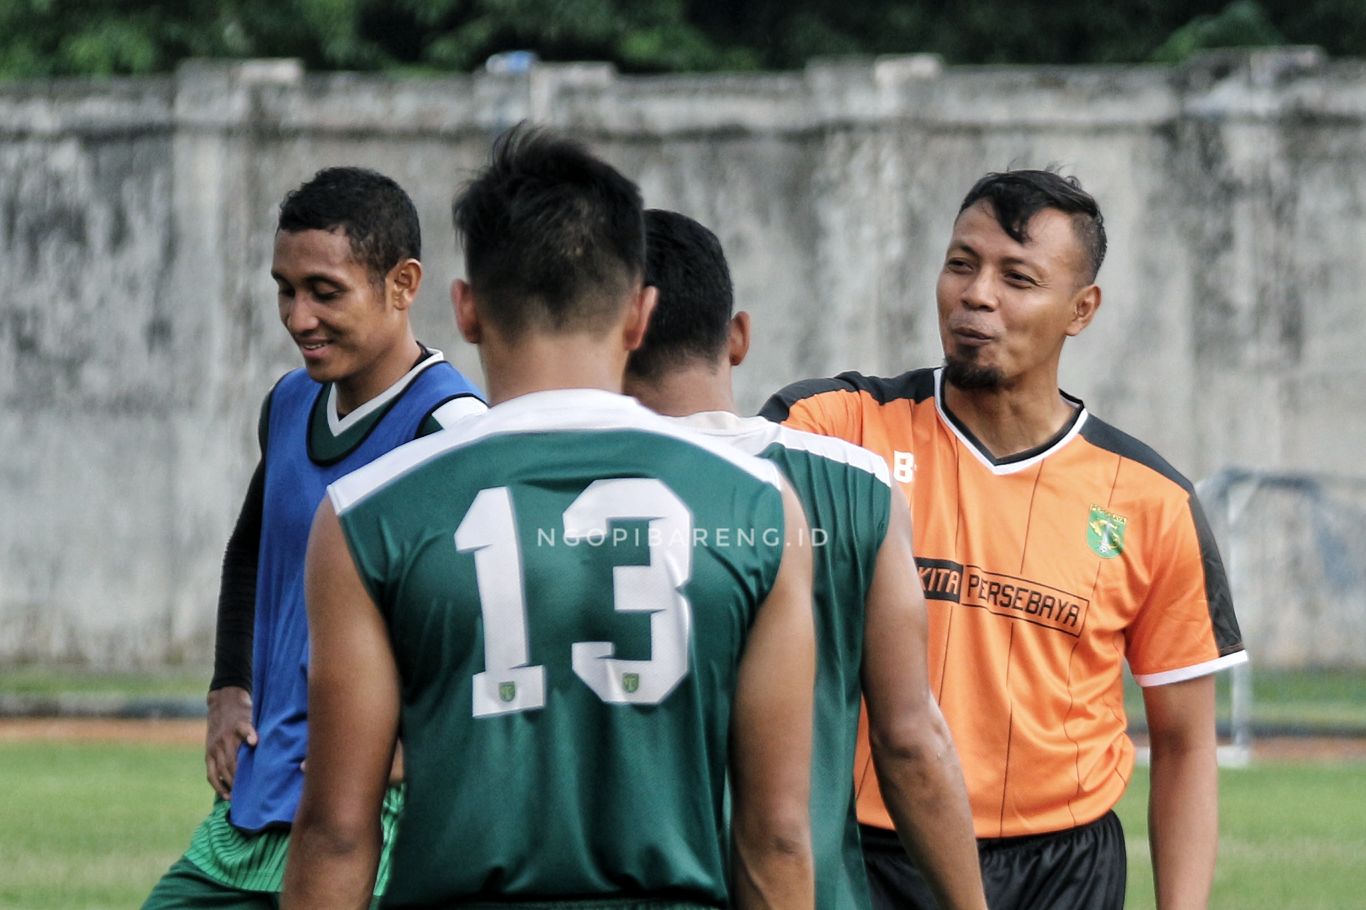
x=979, y=291
x=297, y=314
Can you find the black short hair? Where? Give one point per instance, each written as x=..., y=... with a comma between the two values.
x=691, y=320
x=554, y=238
x=1017, y=196
x=378, y=217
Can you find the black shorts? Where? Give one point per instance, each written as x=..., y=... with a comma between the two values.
x=1081, y=868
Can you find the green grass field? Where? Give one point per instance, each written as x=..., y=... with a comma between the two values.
x=1309, y=699
x=45, y=680
x=1322, y=698
x=92, y=825
x=1291, y=838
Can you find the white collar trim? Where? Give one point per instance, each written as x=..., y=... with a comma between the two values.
x=339, y=425
x=1009, y=467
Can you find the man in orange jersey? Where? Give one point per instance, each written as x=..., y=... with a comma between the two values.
x=1052, y=547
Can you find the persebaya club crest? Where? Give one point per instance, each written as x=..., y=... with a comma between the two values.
x=630, y=681
x=507, y=691
x=1105, y=533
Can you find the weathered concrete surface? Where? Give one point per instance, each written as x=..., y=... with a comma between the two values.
x=138, y=331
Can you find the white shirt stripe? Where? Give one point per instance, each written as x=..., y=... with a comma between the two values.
x=754, y=434
x=457, y=409
x=537, y=412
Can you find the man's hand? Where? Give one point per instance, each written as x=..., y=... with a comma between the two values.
x=229, y=727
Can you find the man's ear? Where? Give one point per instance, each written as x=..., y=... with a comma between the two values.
x=1085, y=303
x=466, y=314
x=403, y=282
x=638, y=313
x=738, y=344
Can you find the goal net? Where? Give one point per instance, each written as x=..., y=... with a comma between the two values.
x=1294, y=546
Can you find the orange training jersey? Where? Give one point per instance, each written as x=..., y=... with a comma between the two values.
x=1042, y=572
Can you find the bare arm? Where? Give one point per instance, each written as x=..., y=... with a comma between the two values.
x=1183, y=805
x=353, y=698
x=771, y=738
x=917, y=764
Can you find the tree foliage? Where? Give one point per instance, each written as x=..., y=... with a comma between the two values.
x=103, y=37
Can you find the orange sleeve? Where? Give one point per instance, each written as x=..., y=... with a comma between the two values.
x=1185, y=626
x=825, y=407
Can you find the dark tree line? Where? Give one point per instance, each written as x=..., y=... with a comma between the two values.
x=100, y=37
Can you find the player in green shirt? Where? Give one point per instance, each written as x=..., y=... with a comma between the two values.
x=581, y=617
x=869, y=606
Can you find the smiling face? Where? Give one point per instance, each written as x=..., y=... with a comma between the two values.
x=1005, y=307
x=350, y=327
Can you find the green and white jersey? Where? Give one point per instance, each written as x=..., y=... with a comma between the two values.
x=568, y=583
x=847, y=495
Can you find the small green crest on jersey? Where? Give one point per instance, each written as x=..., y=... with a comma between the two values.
x=630, y=681
x=507, y=691
x=1105, y=533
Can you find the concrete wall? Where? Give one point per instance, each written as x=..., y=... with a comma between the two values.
x=138, y=332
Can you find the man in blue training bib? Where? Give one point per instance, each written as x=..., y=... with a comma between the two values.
x=346, y=264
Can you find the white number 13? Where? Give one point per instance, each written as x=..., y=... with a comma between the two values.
x=510, y=682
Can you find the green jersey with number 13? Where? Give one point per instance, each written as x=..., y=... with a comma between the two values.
x=568, y=583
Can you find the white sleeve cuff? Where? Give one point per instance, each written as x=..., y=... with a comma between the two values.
x=1166, y=677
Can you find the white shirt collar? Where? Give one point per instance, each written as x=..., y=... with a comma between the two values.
x=339, y=425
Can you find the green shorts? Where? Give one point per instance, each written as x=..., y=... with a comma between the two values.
x=227, y=868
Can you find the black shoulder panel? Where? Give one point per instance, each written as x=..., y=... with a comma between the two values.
x=1104, y=436
x=780, y=403
x=1227, y=636
x=916, y=385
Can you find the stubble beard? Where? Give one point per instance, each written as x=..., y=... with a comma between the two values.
x=972, y=377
